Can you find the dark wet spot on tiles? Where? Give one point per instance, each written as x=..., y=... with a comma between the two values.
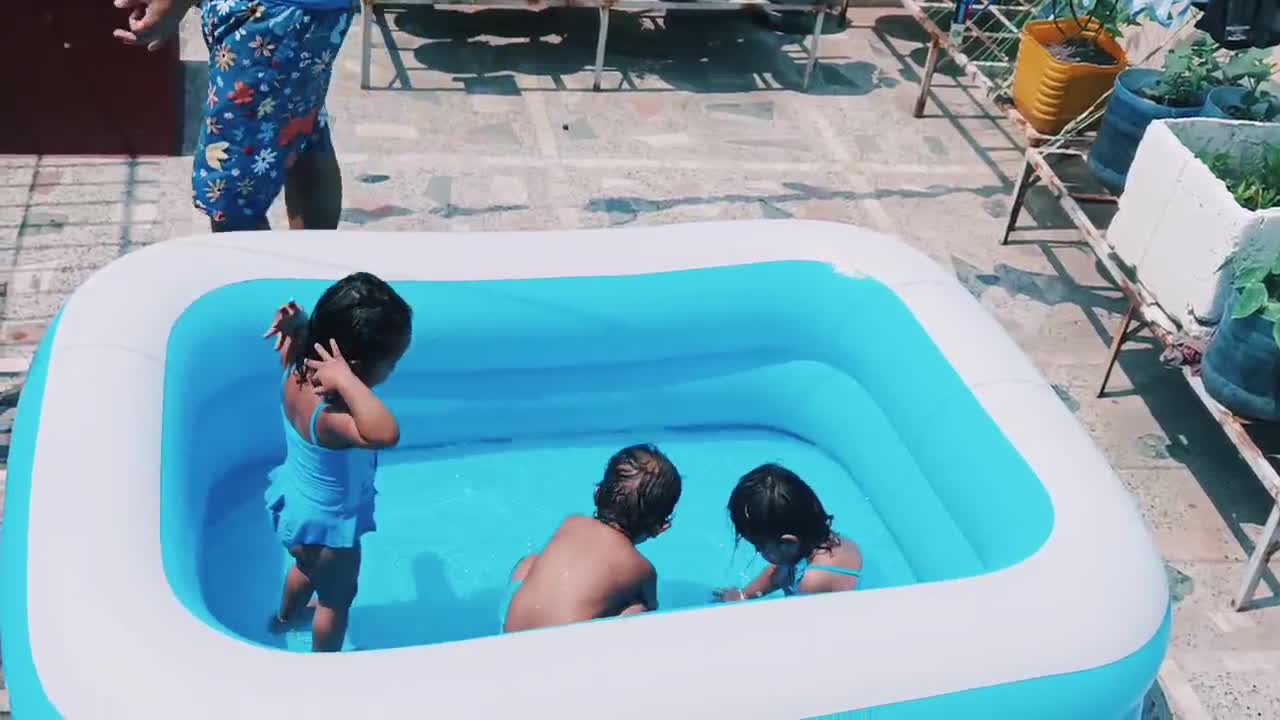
x=491, y=85
x=1044, y=288
x=996, y=207
x=620, y=210
x=773, y=212
x=1181, y=584
x=753, y=110
x=372, y=178
x=364, y=216
x=440, y=189
x=1066, y=397
x=43, y=223
x=580, y=130
x=451, y=211
x=935, y=146
x=1154, y=446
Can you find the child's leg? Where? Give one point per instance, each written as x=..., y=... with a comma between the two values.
x=297, y=593
x=334, y=573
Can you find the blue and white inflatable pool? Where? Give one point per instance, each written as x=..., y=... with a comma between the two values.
x=1008, y=572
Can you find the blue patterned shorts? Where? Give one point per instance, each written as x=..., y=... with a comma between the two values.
x=269, y=71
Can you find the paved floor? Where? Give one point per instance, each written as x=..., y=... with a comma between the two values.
x=703, y=121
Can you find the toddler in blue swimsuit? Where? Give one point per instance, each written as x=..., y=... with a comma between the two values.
x=779, y=514
x=320, y=498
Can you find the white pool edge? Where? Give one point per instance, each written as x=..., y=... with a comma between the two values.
x=1095, y=592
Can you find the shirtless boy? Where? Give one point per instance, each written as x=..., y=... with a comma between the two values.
x=590, y=568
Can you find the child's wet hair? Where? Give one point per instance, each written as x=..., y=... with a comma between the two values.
x=366, y=317
x=639, y=491
x=771, y=501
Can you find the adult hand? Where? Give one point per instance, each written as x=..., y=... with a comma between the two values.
x=151, y=22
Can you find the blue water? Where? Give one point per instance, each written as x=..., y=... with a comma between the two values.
x=452, y=523
x=514, y=394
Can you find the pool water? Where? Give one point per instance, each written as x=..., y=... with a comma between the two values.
x=452, y=523
x=512, y=397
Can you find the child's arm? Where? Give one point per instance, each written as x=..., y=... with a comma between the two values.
x=648, y=594
x=367, y=423
x=764, y=584
x=649, y=591
x=287, y=328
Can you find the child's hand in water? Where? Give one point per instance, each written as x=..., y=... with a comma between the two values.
x=727, y=595
x=331, y=373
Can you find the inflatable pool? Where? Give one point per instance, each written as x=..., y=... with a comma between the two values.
x=1008, y=573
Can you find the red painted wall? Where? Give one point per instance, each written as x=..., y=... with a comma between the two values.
x=68, y=87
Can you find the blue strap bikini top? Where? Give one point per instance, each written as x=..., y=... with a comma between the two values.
x=797, y=575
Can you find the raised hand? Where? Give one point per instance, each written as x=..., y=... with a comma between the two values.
x=330, y=373
x=286, y=328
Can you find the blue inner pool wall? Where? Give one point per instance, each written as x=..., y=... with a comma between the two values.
x=794, y=348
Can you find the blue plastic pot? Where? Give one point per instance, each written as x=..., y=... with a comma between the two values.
x=1219, y=99
x=1123, y=124
x=1241, y=369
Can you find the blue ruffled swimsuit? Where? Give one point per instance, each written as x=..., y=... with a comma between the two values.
x=319, y=496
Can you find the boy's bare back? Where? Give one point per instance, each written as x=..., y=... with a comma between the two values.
x=588, y=570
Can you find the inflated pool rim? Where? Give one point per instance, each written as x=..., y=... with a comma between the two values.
x=92, y=627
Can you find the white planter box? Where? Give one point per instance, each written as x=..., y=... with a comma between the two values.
x=1176, y=221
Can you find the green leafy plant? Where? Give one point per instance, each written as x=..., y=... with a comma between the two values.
x=1251, y=69
x=1256, y=187
x=1256, y=265
x=1189, y=71
x=1258, y=292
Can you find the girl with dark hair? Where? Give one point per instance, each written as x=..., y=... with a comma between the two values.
x=321, y=497
x=781, y=516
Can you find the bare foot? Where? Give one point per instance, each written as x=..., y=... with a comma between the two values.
x=277, y=625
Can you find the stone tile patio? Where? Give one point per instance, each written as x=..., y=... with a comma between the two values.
x=701, y=120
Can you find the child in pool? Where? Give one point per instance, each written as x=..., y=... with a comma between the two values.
x=590, y=568
x=781, y=516
x=321, y=498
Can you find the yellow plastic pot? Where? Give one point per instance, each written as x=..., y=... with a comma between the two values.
x=1050, y=93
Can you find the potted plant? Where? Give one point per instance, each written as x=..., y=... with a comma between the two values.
x=1067, y=62
x=1241, y=368
x=1145, y=94
x=1243, y=95
x=1178, y=221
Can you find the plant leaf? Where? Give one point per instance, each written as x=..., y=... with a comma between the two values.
x=1271, y=310
x=1250, y=275
x=1252, y=296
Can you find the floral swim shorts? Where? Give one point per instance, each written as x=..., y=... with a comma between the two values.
x=269, y=70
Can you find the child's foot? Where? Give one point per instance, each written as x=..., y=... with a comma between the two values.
x=278, y=625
